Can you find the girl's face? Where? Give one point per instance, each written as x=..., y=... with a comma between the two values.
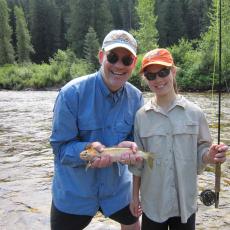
x=163, y=85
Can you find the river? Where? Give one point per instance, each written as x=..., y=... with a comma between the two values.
x=26, y=162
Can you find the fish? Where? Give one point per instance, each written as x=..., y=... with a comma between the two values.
x=90, y=154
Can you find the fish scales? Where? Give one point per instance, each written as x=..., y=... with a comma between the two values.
x=91, y=154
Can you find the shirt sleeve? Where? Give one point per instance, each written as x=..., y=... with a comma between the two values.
x=63, y=140
x=204, y=143
x=137, y=169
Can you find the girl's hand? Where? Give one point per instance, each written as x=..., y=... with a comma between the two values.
x=216, y=154
x=135, y=207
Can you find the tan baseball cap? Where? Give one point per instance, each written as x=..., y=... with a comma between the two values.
x=120, y=38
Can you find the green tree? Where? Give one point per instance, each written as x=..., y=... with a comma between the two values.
x=85, y=13
x=101, y=19
x=124, y=14
x=170, y=22
x=195, y=17
x=45, y=28
x=24, y=46
x=80, y=19
x=147, y=35
x=64, y=10
x=91, y=47
x=226, y=44
x=114, y=6
x=6, y=48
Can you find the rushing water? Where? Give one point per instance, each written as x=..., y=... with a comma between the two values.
x=26, y=160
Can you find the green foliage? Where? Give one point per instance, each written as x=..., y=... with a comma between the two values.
x=178, y=22
x=62, y=68
x=6, y=48
x=91, y=48
x=189, y=63
x=86, y=13
x=24, y=46
x=147, y=35
x=80, y=68
x=136, y=79
x=170, y=22
x=45, y=29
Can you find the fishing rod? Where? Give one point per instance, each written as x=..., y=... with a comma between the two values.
x=209, y=197
x=218, y=165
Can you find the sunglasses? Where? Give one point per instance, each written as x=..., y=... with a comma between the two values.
x=152, y=76
x=113, y=58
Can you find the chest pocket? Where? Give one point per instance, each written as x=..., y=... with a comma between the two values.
x=190, y=128
x=185, y=140
x=154, y=139
x=124, y=128
x=89, y=130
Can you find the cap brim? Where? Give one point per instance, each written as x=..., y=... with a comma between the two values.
x=118, y=45
x=156, y=63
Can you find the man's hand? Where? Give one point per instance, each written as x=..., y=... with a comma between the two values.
x=130, y=157
x=103, y=161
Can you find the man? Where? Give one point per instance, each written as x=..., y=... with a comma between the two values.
x=96, y=110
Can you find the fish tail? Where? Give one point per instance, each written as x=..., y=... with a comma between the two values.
x=149, y=157
x=149, y=161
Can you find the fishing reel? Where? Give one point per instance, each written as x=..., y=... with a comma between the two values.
x=208, y=197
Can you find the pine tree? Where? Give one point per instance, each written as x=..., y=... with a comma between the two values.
x=195, y=17
x=170, y=22
x=91, y=47
x=45, y=29
x=6, y=48
x=124, y=14
x=80, y=19
x=85, y=13
x=147, y=35
x=209, y=44
x=24, y=46
x=101, y=19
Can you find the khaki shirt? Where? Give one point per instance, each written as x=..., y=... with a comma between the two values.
x=179, y=138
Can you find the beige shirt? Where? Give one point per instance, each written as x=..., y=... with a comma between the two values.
x=179, y=138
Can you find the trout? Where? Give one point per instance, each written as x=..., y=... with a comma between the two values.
x=90, y=154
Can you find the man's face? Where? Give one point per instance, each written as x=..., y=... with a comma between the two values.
x=117, y=66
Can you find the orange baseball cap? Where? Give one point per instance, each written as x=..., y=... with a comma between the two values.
x=157, y=56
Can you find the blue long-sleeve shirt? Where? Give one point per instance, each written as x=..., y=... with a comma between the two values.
x=86, y=111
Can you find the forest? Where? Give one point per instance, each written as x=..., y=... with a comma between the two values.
x=46, y=43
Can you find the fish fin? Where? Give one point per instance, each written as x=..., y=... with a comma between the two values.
x=88, y=165
x=89, y=147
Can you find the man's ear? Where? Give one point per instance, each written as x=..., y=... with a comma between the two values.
x=100, y=56
x=135, y=61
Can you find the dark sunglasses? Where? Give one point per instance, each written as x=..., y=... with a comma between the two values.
x=113, y=58
x=152, y=76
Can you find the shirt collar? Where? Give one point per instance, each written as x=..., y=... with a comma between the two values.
x=179, y=101
x=105, y=90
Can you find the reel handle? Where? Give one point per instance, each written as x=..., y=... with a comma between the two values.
x=208, y=197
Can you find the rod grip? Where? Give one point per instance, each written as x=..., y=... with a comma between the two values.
x=217, y=183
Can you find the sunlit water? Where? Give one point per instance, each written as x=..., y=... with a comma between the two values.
x=26, y=161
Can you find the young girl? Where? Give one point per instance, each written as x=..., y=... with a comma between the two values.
x=176, y=131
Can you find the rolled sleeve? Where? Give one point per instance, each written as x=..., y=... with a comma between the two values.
x=204, y=143
x=137, y=169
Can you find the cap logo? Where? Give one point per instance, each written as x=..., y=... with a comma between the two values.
x=122, y=38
